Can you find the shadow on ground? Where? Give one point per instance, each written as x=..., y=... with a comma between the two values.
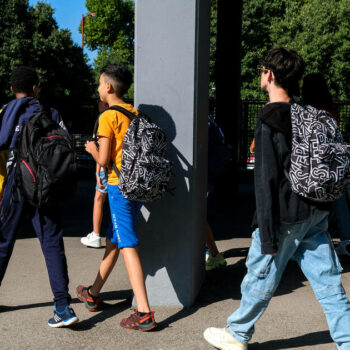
x=107, y=309
x=310, y=339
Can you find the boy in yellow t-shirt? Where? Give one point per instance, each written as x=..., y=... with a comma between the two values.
x=115, y=81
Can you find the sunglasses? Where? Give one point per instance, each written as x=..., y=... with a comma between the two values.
x=262, y=69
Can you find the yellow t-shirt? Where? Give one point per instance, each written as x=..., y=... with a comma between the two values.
x=113, y=124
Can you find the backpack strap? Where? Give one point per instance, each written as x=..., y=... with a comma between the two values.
x=122, y=110
x=127, y=113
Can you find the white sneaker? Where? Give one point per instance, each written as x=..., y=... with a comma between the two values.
x=92, y=240
x=222, y=339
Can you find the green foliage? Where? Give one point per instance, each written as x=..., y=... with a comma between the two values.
x=256, y=41
x=111, y=32
x=318, y=29
x=320, y=32
x=30, y=36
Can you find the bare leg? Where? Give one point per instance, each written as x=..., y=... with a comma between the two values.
x=210, y=242
x=97, y=213
x=107, y=264
x=134, y=268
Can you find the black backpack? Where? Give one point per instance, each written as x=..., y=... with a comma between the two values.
x=145, y=172
x=46, y=168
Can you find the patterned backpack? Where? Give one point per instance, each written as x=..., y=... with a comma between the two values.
x=320, y=160
x=145, y=172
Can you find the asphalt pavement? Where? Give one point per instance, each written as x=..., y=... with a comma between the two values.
x=294, y=319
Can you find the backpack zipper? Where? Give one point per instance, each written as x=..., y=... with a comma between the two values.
x=50, y=137
x=30, y=171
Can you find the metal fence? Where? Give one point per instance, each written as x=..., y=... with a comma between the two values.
x=249, y=114
x=84, y=159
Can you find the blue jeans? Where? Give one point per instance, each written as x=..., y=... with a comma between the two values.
x=310, y=245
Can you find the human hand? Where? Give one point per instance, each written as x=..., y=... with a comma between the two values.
x=99, y=181
x=90, y=147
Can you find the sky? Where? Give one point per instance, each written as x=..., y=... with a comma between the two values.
x=68, y=16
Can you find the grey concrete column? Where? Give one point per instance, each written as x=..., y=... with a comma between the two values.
x=171, y=85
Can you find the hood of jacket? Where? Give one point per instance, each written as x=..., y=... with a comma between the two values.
x=277, y=116
x=13, y=116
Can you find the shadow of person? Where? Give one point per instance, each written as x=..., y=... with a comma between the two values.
x=310, y=339
x=165, y=240
x=107, y=309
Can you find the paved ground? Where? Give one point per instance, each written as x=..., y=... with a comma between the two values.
x=294, y=319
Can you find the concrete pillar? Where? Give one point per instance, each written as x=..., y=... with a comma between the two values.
x=171, y=86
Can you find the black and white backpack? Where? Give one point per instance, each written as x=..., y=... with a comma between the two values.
x=320, y=160
x=145, y=172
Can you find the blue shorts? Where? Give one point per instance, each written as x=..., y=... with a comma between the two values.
x=124, y=213
x=104, y=179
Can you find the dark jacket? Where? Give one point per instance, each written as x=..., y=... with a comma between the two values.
x=15, y=114
x=275, y=201
x=12, y=118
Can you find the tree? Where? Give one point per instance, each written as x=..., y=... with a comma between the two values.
x=111, y=32
x=320, y=31
x=258, y=16
x=30, y=36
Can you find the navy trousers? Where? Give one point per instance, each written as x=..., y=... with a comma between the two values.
x=47, y=223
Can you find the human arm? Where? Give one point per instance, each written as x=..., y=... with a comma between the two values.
x=267, y=187
x=101, y=155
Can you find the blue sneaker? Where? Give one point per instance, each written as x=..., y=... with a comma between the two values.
x=64, y=318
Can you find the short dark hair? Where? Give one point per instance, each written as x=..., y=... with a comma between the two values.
x=287, y=67
x=121, y=78
x=23, y=79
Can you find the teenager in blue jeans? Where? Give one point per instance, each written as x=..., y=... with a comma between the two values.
x=287, y=226
x=47, y=221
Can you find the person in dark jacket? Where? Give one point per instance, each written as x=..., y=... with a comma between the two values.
x=47, y=221
x=287, y=226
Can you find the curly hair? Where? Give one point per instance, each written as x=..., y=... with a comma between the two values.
x=23, y=79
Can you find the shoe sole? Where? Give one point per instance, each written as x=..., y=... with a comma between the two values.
x=91, y=246
x=67, y=323
x=140, y=329
x=208, y=338
x=87, y=306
